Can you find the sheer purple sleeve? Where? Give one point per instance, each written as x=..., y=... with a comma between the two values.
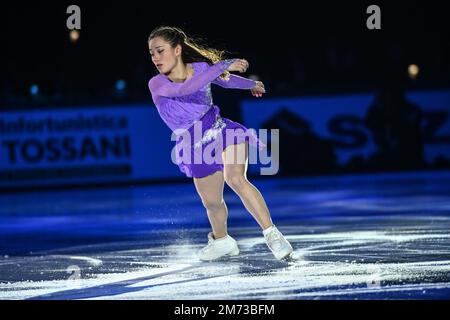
x=163, y=87
x=235, y=82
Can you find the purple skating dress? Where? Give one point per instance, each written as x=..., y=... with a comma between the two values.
x=188, y=105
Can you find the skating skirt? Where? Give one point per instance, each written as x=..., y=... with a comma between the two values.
x=210, y=138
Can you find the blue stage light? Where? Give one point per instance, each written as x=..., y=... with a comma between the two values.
x=34, y=89
x=120, y=85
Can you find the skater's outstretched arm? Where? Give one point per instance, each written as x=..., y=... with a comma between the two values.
x=235, y=82
x=160, y=86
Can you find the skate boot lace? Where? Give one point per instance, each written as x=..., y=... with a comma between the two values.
x=275, y=240
x=208, y=246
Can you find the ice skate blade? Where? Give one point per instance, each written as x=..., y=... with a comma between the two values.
x=284, y=255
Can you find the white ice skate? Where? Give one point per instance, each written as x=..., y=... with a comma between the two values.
x=280, y=247
x=218, y=248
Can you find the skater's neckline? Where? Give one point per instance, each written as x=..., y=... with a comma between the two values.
x=191, y=66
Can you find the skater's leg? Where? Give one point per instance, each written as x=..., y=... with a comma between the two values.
x=235, y=160
x=210, y=189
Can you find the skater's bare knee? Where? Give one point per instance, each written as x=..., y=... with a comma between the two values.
x=213, y=205
x=210, y=190
x=236, y=181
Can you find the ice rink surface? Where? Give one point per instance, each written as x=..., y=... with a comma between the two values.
x=381, y=236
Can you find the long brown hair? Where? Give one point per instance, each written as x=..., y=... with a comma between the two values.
x=192, y=51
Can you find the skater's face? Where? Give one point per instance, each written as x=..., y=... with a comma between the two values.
x=163, y=55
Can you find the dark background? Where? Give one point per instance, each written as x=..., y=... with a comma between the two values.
x=296, y=48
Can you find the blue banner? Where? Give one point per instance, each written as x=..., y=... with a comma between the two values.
x=86, y=144
x=355, y=131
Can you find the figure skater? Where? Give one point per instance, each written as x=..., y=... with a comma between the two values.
x=181, y=93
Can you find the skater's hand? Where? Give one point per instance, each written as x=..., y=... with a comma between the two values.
x=240, y=65
x=258, y=90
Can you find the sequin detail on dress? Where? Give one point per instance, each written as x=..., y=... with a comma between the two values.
x=212, y=133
